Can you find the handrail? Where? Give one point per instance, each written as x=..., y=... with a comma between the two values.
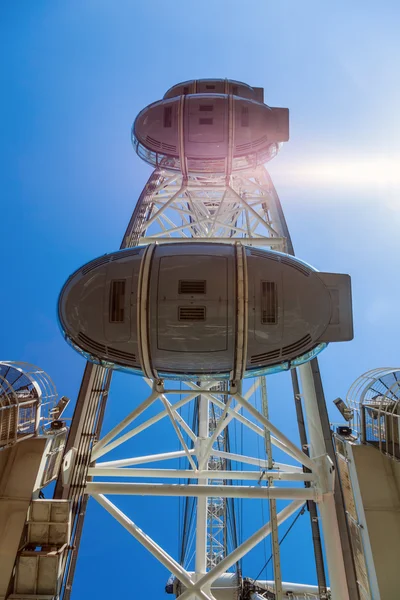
x=375, y=400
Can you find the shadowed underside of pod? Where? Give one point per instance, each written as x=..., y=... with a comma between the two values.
x=181, y=311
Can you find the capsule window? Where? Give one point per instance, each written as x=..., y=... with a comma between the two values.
x=204, y=121
x=210, y=87
x=167, y=116
x=117, y=301
x=269, y=303
x=206, y=107
x=245, y=116
x=235, y=90
x=185, y=90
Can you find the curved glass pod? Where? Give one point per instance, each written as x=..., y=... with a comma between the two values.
x=209, y=166
x=216, y=86
x=198, y=126
x=172, y=311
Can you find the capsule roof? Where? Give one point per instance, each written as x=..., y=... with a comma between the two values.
x=216, y=86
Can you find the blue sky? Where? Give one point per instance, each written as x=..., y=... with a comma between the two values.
x=75, y=74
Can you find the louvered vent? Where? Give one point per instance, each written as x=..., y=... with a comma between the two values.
x=205, y=121
x=192, y=313
x=120, y=355
x=251, y=145
x=95, y=263
x=125, y=254
x=246, y=146
x=266, y=357
x=296, y=346
x=260, y=141
x=262, y=254
x=117, y=301
x=168, y=147
x=95, y=346
x=153, y=142
x=192, y=286
x=206, y=108
x=269, y=303
x=295, y=265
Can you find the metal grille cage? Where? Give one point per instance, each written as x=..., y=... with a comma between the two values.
x=375, y=400
x=27, y=397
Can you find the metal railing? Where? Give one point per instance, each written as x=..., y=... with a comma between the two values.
x=375, y=400
x=27, y=398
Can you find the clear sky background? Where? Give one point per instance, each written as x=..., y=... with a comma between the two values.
x=74, y=76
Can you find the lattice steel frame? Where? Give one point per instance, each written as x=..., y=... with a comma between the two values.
x=243, y=209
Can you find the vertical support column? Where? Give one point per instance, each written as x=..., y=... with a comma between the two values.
x=280, y=225
x=327, y=509
x=201, y=517
x=272, y=503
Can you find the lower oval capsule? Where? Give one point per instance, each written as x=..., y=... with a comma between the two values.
x=203, y=310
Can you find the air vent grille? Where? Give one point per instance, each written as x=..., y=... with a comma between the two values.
x=125, y=254
x=266, y=357
x=192, y=286
x=296, y=346
x=117, y=301
x=95, y=263
x=206, y=107
x=269, y=303
x=153, y=142
x=168, y=147
x=295, y=265
x=247, y=146
x=251, y=145
x=205, y=121
x=192, y=313
x=260, y=141
x=120, y=355
x=263, y=254
x=87, y=341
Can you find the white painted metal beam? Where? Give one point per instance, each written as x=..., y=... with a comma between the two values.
x=223, y=491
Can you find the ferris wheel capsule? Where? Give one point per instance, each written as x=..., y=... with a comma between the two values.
x=203, y=311
x=210, y=126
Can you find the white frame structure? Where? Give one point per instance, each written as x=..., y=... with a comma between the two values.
x=243, y=209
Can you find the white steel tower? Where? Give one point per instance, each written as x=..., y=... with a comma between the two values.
x=210, y=195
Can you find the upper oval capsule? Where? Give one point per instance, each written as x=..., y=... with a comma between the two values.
x=206, y=129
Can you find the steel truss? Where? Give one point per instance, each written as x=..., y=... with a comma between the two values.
x=243, y=209
x=255, y=479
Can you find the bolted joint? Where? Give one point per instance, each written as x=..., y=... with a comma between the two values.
x=158, y=386
x=235, y=387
